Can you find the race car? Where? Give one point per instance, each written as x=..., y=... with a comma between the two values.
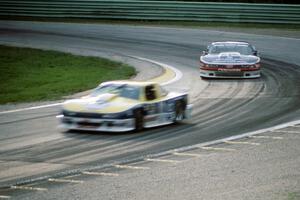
x=230, y=60
x=120, y=106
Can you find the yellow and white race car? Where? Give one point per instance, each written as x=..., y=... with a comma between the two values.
x=119, y=106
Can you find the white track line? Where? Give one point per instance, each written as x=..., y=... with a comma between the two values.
x=188, y=148
x=178, y=75
x=235, y=137
x=161, y=160
x=237, y=142
x=28, y=188
x=187, y=154
x=99, y=173
x=129, y=167
x=266, y=137
x=64, y=180
x=30, y=108
x=217, y=149
x=4, y=197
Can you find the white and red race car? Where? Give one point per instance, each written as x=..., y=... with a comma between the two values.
x=230, y=60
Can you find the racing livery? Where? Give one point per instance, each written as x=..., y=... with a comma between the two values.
x=230, y=60
x=119, y=106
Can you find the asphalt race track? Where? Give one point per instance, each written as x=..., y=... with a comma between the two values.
x=32, y=147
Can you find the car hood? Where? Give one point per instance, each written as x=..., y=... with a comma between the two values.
x=233, y=58
x=104, y=103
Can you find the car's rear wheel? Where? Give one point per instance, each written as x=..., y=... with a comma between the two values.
x=179, y=111
x=139, y=120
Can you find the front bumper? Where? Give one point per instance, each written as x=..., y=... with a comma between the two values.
x=90, y=124
x=224, y=74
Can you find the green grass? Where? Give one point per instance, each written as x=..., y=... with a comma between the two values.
x=294, y=196
x=28, y=75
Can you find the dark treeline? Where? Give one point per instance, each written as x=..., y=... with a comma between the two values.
x=246, y=1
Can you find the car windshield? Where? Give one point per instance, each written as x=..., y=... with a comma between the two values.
x=110, y=88
x=240, y=48
x=123, y=90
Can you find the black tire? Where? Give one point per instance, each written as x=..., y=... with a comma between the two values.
x=139, y=120
x=179, y=111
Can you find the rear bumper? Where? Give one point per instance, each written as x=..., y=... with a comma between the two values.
x=87, y=124
x=224, y=74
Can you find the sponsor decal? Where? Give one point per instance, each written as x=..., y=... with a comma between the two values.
x=228, y=70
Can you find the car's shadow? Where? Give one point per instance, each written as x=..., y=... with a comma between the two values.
x=129, y=134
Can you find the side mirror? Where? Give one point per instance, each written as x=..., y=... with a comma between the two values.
x=204, y=53
x=255, y=53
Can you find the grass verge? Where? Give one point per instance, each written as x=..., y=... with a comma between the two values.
x=32, y=75
x=294, y=196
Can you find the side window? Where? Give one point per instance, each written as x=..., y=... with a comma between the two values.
x=150, y=92
x=130, y=92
